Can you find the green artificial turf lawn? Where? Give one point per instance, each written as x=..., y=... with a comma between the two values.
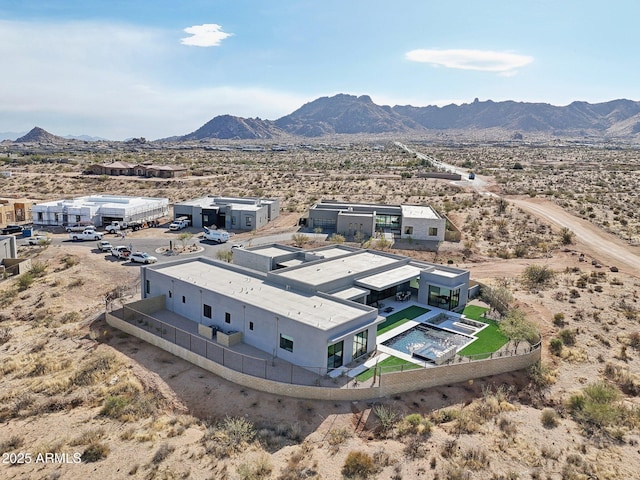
x=488, y=340
x=396, y=319
x=389, y=364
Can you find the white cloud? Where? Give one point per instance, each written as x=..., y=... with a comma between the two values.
x=482, y=60
x=207, y=35
x=114, y=81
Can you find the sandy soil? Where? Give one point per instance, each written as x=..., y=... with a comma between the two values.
x=489, y=428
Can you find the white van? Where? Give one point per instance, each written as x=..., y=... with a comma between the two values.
x=219, y=236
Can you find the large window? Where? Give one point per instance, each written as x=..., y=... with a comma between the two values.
x=387, y=221
x=443, y=297
x=360, y=343
x=334, y=355
x=286, y=343
x=324, y=223
x=206, y=310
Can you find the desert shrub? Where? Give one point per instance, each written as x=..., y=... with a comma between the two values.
x=338, y=436
x=7, y=297
x=541, y=376
x=597, y=408
x=5, y=335
x=566, y=236
x=358, y=465
x=387, y=417
x=225, y=255
x=337, y=238
x=475, y=459
x=78, y=282
x=95, y=369
x=69, y=261
x=558, y=320
x=88, y=437
x=229, y=436
x=537, y=276
x=414, y=424
x=162, y=453
x=549, y=418
x=259, y=470
x=568, y=337
x=300, y=239
x=94, y=452
x=555, y=346
x=498, y=298
x=38, y=269
x=11, y=443
x=634, y=340
x=628, y=382
x=25, y=280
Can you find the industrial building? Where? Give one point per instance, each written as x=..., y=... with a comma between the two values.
x=415, y=222
x=229, y=213
x=99, y=210
x=313, y=308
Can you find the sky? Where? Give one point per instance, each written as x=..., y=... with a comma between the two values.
x=119, y=69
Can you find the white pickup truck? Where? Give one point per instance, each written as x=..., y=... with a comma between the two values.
x=219, y=236
x=85, y=235
x=79, y=227
x=179, y=224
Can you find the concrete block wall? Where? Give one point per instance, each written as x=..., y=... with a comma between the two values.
x=390, y=384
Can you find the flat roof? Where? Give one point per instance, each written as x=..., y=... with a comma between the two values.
x=105, y=201
x=331, y=251
x=310, y=309
x=320, y=272
x=271, y=251
x=350, y=293
x=419, y=211
x=389, y=278
x=445, y=273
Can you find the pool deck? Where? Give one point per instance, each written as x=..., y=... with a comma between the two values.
x=447, y=325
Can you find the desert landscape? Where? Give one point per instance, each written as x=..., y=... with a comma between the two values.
x=120, y=408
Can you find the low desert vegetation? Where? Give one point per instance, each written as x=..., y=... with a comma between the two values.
x=68, y=382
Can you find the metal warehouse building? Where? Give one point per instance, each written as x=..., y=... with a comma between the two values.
x=99, y=210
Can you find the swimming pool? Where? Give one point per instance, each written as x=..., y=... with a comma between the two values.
x=428, y=342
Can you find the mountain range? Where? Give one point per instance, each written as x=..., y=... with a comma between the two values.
x=349, y=114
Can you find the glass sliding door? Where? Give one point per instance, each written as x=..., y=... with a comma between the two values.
x=334, y=355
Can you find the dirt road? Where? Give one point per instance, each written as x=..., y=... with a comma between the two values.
x=606, y=248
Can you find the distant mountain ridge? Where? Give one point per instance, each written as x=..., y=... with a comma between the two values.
x=350, y=114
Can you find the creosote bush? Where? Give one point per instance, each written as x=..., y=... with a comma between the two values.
x=358, y=465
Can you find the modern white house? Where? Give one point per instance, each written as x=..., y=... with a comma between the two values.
x=229, y=213
x=313, y=308
x=99, y=210
x=417, y=222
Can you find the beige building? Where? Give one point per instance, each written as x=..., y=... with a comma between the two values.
x=15, y=210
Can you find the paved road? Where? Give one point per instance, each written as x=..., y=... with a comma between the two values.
x=152, y=244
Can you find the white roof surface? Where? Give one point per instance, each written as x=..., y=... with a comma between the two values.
x=318, y=273
x=419, y=211
x=392, y=277
x=350, y=293
x=319, y=312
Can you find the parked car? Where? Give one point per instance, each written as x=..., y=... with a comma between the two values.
x=9, y=229
x=79, y=227
x=104, y=246
x=121, y=252
x=38, y=240
x=142, y=257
